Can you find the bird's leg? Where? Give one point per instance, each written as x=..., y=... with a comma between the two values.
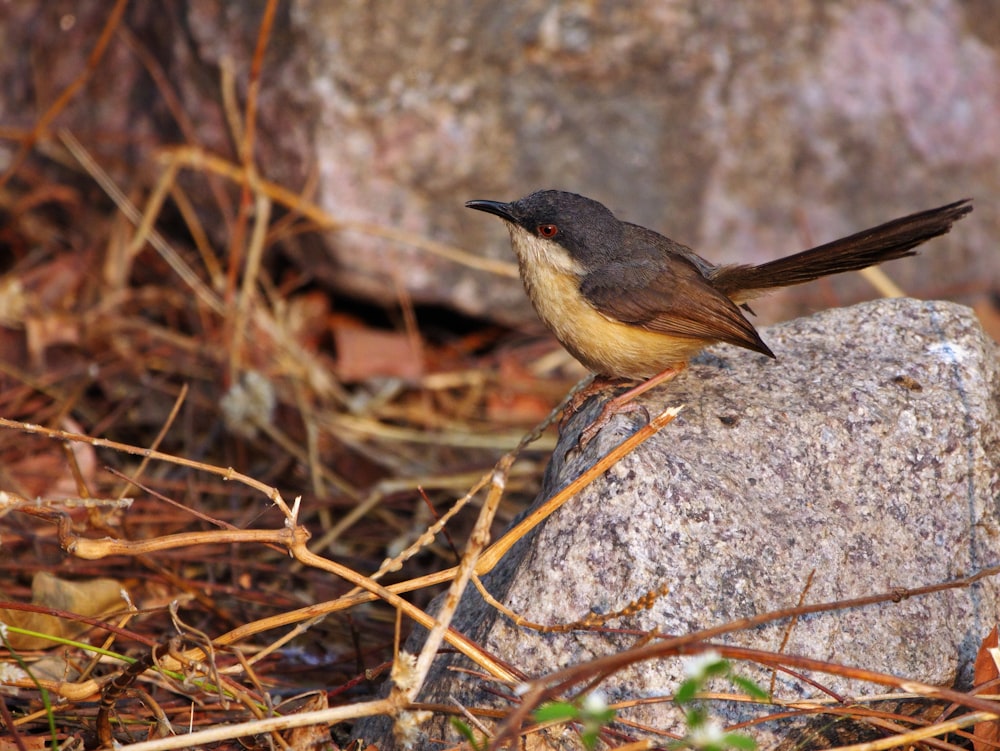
x=623, y=402
x=594, y=384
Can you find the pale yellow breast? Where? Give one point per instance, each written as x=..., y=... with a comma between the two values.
x=603, y=345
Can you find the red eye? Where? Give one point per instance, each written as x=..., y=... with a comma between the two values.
x=548, y=230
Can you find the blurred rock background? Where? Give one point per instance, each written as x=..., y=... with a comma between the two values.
x=744, y=130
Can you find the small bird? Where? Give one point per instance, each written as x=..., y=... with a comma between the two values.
x=631, y=304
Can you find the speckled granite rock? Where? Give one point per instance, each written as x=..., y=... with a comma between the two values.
x=868, y=453
x=745, y=130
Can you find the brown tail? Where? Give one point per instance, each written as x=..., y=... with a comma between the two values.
x=885, y=242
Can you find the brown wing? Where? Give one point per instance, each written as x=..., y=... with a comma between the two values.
x=669, y=296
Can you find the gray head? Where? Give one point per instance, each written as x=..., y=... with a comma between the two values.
x=585, y=228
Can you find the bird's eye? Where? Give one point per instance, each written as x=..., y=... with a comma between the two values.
x=548, y=230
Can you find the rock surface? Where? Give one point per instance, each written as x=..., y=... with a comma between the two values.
x=746, y=132
x=867, y=455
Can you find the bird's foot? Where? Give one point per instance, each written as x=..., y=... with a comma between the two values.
x=624, y=403
x=611, y=409
x=597, y=385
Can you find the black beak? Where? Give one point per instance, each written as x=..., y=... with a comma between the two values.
x=497, y=208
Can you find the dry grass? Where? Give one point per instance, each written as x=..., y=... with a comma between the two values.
x=167, y=390
x=174, y=427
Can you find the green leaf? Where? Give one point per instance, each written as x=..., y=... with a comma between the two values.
x=557, y=711
x=465, y=731
x=589, y=739
x=603, y=717
x=686, y=691
x=717, y=668
x=740, y=741
x=696, y=717
x=750, y=688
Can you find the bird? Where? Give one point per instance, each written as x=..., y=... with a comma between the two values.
x=633, y=305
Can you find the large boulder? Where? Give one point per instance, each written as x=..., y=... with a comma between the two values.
x=865, y=459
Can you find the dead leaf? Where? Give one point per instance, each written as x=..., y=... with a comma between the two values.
x=305, y=318
x=987, y=734
x=363, y=353
x=515, y=400
x=41, y=470
x=37, y=743
x=988, y=313
x=516, y=409
x=44, y=331
x=309, y=736
x=95, y=598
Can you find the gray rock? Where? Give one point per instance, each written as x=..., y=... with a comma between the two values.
x=868, y=453
x=745, y=132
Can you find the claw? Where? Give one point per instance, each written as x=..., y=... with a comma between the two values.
x=610, y=410
x=596, y=386
x=623, y=403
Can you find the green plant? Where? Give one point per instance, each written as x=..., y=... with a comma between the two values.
x=705, y=732
x=591, y=713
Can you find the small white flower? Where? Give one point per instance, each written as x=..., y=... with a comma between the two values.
x=594, y=703
x=709, y=733
x=697, y=665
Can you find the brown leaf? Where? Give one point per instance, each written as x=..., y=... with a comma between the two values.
x=364, y=352
x=38, y=743
x=44, y=331
x=95, y=598
x=305, y=318
x=517, y=400
x=39, y=468
x=987, y=734
x=516, y=409
x=988, y=313
x=310, y=736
